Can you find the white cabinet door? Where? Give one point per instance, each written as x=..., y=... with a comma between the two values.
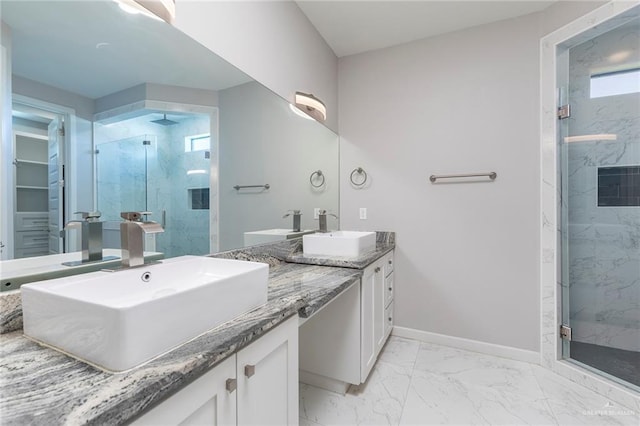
x=388, y=263
x=206, y=401
x=367, y=321
x=378, y=306
x=267, y=372
x=388, y=320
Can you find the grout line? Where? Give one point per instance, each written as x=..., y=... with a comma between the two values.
x=413, y=368
x=544, y=394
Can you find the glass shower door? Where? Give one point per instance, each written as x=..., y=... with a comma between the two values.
x=600, y=173
x=121, y=177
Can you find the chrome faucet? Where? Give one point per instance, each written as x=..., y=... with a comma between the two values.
x=132, y=232
x=296, y=219
x=91, y=234
x=322, y=219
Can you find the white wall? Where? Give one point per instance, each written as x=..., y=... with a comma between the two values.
x=467, y=253
x=271, y=41
x=83, y=106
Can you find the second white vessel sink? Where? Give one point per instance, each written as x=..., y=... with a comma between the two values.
x=118, y=320
x=339, y=243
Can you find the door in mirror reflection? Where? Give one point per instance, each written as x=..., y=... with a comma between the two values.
x=158, y=163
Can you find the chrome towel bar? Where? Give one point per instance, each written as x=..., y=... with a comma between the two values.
x=265, y=186
x=490, y=175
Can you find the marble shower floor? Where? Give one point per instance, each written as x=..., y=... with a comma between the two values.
x=417, y=383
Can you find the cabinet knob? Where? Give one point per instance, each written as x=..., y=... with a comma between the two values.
x=390, y=288
x=231, y=385
x=249, y=370
x=377, y=269
x=390, y=319
x=390, y=262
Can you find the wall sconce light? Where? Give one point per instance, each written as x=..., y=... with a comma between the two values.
x=164, y=10
x=312, y=106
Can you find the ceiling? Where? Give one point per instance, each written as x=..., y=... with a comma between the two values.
x=86, y=48
x=355, y=26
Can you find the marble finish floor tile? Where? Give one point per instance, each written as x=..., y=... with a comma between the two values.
x=378, y=401
x=436, y=399
x=573, y=404
x=417, y=383
x=400, y=351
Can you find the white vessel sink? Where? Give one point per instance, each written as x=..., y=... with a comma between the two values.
x=272, y=235
x=339, y=243
x=118, y=320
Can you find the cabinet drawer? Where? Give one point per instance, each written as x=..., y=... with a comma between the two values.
x=32, y=239
x=388, y=319
x=388, y=289
x=388, y=264
x=31, y=221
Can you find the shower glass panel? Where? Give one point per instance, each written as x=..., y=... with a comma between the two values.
x=600, y=173
x=121, y=172
x=166, y=172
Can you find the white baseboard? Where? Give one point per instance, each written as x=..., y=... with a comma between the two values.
x=323, y=382
x=467, y=344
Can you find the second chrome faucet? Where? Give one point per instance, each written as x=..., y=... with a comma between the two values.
x=322, y=220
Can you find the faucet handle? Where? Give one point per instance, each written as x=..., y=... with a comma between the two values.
x=135, y=216
x=89, y=215
x=292, y=212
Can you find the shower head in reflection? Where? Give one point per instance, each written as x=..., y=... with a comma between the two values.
x=164, y=121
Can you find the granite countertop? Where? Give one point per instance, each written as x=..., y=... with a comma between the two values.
x=360, y=262
x=40, y=386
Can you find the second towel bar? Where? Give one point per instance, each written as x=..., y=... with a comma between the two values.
x=490, y=175
x=265, y=186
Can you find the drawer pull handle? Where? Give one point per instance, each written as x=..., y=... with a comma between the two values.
x=249, y=370
x=231, y=385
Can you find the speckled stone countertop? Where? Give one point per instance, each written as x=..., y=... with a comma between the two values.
x=40, y=386
x=385, y=242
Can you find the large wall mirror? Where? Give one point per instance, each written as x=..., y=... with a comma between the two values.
x=112, y=111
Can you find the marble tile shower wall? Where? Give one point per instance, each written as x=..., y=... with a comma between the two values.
x=189, y=227
x=121, y=183
x=121, y=177
x=604, y=242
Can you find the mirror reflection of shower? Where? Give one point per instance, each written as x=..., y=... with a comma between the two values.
x=147, y=163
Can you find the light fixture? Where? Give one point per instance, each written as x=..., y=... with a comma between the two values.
x=160, y=10
x=299, y=113
x=197, y=172
x=588, y=138
x=311, y=106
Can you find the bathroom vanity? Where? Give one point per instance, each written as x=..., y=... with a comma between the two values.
x=244, y=368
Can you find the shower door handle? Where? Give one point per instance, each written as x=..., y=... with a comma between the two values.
x=163, y=220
